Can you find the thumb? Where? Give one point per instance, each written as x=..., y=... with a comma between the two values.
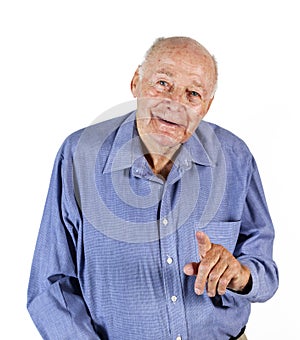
x=204, y=243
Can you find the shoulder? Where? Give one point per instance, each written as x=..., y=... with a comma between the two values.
x=226, y=138
x=92, y=136
x=213, y=136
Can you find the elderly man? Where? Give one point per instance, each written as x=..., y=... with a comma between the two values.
x=155, y=225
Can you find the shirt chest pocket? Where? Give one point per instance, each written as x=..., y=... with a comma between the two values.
x=223, y=233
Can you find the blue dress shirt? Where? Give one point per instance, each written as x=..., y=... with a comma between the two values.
x=114, y=238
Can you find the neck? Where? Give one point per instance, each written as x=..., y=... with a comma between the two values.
x=160, y=159
x=160, y=165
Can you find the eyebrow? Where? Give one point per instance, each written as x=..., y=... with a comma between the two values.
x=170, y=74
x=197, y=84
x=163, y=71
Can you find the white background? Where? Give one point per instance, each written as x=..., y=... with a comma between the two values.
x=62, y=63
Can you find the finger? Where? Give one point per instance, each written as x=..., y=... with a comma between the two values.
x=204, y=244
x=204, y=270
x=239, y=276
x=191, y=269
x=224, y=282
x=218, y=279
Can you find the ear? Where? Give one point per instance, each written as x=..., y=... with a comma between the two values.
x=134, y=83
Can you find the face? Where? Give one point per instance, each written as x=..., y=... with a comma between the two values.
x=173, y=94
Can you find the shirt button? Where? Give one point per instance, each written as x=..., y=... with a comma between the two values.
x=178, y=337
x=169, y=260
x=174, y=298
x=165, y=221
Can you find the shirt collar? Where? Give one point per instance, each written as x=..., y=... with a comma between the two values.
x=127, y=149
x=193, y=151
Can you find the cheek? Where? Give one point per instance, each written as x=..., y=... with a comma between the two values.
x=143, y=108
x=148, y=89
x=147, y=103
x=193, y=122
x=150, y=92
x=143, y=116
x=196, y=119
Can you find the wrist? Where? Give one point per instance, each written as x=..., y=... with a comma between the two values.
x=247, y=284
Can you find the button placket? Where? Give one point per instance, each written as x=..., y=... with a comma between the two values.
x=171, y=272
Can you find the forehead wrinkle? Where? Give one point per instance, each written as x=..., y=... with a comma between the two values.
x=165, y=72
x=168, y=73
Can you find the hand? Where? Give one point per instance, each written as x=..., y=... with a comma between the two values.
x=218, y=268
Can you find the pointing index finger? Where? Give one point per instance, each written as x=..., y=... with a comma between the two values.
x=204, y=244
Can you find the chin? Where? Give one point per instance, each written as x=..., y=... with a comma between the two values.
x=166, y=141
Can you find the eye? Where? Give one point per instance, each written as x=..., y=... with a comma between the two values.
x=163, y=83
x=194, y=97
x=194, y=94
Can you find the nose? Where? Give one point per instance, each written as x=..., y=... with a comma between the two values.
x=174, y=105
x=177, y=94
x=176, y=100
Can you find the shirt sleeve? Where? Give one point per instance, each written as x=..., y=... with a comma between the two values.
x=55, y=301
x=255, y=243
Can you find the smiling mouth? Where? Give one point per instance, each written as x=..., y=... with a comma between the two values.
x=165, y=121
